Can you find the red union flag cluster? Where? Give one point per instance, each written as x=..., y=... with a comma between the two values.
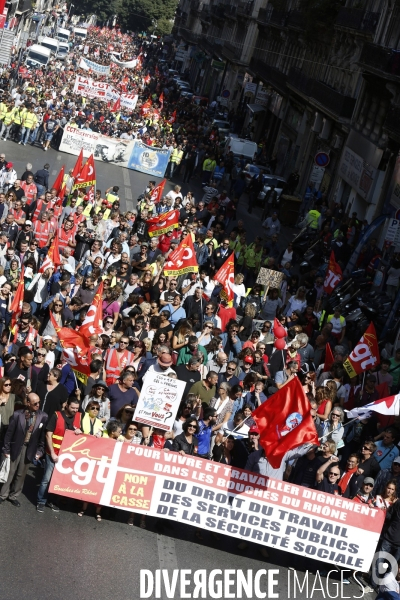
x=365, y=354
x=157, y=192
x=87, y=176
x=183, y=259
x=333, y=275
x=163, y=223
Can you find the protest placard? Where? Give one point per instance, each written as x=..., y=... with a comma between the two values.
x=270, y=278
x=159, y=401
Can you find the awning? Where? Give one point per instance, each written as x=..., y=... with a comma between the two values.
x=256, y=108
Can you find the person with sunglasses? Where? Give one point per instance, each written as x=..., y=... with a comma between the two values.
x=99, y=394
x=91, y=425
x=329, y=483
x=7, y=403
x=23, y=443
x=187, y=442
x=364, y=494
x=332, y=428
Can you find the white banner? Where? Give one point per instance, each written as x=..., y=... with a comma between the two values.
x=89, y=65
x=129, y=101
x=93, y=89
x=104, y=148
x=89, y=88
x=130, y=64
x=159, y=401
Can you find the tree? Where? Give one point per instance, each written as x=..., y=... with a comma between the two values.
x=146, y=15
x=103, y=9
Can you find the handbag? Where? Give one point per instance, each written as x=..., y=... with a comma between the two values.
x=4, y=469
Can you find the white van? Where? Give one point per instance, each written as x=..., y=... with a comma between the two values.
x=241, y=147
x=50, y=43
x=37, y=56
x=80, y=33
x=63, y=34
x=63, y=49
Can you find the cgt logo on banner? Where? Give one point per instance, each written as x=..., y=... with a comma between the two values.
x=218, y=498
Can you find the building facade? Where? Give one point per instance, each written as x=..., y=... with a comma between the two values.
x=307, y=80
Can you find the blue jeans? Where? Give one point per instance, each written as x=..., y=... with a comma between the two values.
x=44, y=486
x=391, y=549
x=24, y=135
x=33, y=135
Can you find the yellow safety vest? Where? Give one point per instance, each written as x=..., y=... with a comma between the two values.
x=8, y=118
x=29, y=120
x=3, y=110
x=176, y=156
x=18, y=115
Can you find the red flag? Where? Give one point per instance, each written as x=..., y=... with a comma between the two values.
x=333, y=275
x=147, y=79
x=75, y=350
x=157, y=192
x=163, y=223
x=161, y=100
x=58, y=184
x=183, y=259
x=16, y=304
x=117, y=105
x=78, y=165
x=93, y=322
x=172, y=118
x=87, y=176
x=52, y=259
x=285, y=422
x=329, y=360
x=365, y=354
x=226, y=276
x=146, y=107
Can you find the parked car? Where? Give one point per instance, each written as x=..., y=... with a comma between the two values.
x=252, y=171
x=270, y=180
x=223, y=127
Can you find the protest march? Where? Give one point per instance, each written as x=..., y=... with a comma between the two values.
x=167, y=361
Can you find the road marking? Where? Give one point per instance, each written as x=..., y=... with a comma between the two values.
x=166, y=557
x=128, y=193
x=58, y=156
x=125, y=175
x=129, y=204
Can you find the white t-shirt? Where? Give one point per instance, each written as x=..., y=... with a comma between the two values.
x=337, y=325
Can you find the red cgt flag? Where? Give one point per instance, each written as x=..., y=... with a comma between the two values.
x=172, y=118
x=226, y=277
x=87, y=176
x=78, y=165
x=334, y=275
x=16, y=304
x=52, y=259
x=59, y=182
x=75, y=350
x=365, y=354
x=183, y=259
x=329, y=359
x=161, y=100
x=163, y=223
x=157, y=192
x=93, y=323
x=285, y=422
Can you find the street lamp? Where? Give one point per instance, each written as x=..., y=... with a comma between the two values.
x=71, y=5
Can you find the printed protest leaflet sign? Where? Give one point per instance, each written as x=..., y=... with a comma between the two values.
x=159, y=401
x=89, y=65
x=218, y=498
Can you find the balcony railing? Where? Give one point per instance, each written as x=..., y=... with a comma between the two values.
x=205, y=13
x=272, y=16
x=384, y=60
x=245, y=8
x=330, y=99
x=357, y=19
x=232, y=51
x=296, y=19
x=392, y=121
x=268, y=73
x=218, y=11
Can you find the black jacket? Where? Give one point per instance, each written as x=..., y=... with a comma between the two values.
x=392, y=534
x=181, y=443
x=15, y=436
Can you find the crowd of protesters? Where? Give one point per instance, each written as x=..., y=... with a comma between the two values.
x=180, y=326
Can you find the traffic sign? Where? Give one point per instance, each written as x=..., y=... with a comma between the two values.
x=321, y=159
x=226, y=94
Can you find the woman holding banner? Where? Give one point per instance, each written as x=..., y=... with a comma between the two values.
x=91, y=425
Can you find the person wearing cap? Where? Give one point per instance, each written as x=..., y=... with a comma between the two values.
x=99, y=393
x=364, y=494
x=163, y=365
x=8, y=177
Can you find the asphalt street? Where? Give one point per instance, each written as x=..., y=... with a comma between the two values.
x=54, y=556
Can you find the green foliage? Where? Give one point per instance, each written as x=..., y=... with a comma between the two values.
x=103, y=9
x=147, y=15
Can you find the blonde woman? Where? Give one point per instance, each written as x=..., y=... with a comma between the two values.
x=246, y=322
x=238, y=289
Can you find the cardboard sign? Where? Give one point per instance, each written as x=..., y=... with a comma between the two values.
x=159, y=401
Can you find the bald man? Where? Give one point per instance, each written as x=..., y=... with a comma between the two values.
x=23, y=443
